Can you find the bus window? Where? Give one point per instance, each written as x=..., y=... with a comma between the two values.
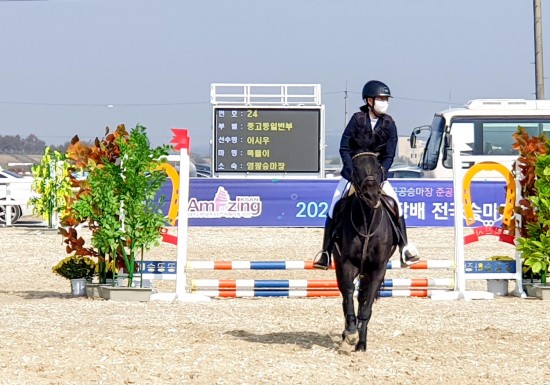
x=463, y=134
x=497, y=137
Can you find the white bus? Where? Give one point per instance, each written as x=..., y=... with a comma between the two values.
x=484, y=129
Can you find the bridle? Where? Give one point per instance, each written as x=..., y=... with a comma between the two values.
x=370, y=178
x=362, y=199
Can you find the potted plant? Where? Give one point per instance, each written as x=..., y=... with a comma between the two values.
x=530, y=149
x=118, y=200
x=536, y=258
x=535, y=247
x=95, y=289
x=78, y=270
x=52, y=185
x=534, y=242
x=81, y=157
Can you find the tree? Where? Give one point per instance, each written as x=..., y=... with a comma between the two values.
x=31, y=145
x=51, y=182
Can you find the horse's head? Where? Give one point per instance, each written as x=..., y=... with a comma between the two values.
x=367, y=178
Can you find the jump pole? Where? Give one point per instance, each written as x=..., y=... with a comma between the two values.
x=181, y=142
x=460, y=292
x=458, y=193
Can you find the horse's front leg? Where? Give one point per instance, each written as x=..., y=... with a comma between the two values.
x=348, y=305
x=345, y=275
x=369, y=286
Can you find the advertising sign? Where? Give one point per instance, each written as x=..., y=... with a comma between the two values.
x=305, y=203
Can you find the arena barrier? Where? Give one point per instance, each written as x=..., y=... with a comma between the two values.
x=453, y=288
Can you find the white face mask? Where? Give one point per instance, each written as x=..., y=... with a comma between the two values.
x=381, y=106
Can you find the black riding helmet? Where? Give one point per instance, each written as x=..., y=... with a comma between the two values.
x=375, y=88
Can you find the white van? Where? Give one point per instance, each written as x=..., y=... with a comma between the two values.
x=483, y=128
x=20, y=188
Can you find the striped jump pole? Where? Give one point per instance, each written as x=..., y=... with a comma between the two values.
x=302, y=265
x=311, y=284
x=421, y=293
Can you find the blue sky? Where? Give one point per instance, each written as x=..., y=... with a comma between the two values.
x=64, y=62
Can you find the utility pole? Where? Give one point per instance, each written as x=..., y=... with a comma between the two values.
x=346, y=105
x=539, y=70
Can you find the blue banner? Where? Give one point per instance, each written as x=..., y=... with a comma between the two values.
x=305, y=203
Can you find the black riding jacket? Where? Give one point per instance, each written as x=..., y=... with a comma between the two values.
x=359, y=137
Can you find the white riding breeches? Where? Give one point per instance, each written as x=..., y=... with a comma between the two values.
x=344, y=185
x=389, y=191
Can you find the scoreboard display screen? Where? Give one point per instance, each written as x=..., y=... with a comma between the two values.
x=267, y=140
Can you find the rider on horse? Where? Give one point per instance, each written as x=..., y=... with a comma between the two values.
x=369, y=130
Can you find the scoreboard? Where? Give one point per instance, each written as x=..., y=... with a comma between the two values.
x=260, y=140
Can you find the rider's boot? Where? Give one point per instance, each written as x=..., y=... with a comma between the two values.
x=324, y=260
x=408, y=252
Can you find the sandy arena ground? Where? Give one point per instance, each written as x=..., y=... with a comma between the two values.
x=48, y=336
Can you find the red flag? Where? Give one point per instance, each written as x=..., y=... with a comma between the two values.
x=180, y=139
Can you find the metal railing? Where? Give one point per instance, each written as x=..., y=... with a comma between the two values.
x=265, y=94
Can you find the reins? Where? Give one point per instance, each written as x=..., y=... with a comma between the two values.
x=369, y=234
x=357, y=230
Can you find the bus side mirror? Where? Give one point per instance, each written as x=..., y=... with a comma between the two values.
x=412, y=140
x=416, y=131
x=447, y=157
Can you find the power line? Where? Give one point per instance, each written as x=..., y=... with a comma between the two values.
x=164, y=104
x=46, y=104
x=345, y=92
x=429, y=101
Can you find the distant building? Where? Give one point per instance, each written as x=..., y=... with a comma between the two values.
x=412, y=154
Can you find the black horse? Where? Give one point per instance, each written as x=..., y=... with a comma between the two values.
x=365, y=239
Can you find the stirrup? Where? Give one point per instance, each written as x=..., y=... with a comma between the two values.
x=409, y=255
x=324, y=258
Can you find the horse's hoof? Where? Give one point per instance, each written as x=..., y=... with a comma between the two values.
x=351, y=337
x=361, y=347
x=349, y=340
